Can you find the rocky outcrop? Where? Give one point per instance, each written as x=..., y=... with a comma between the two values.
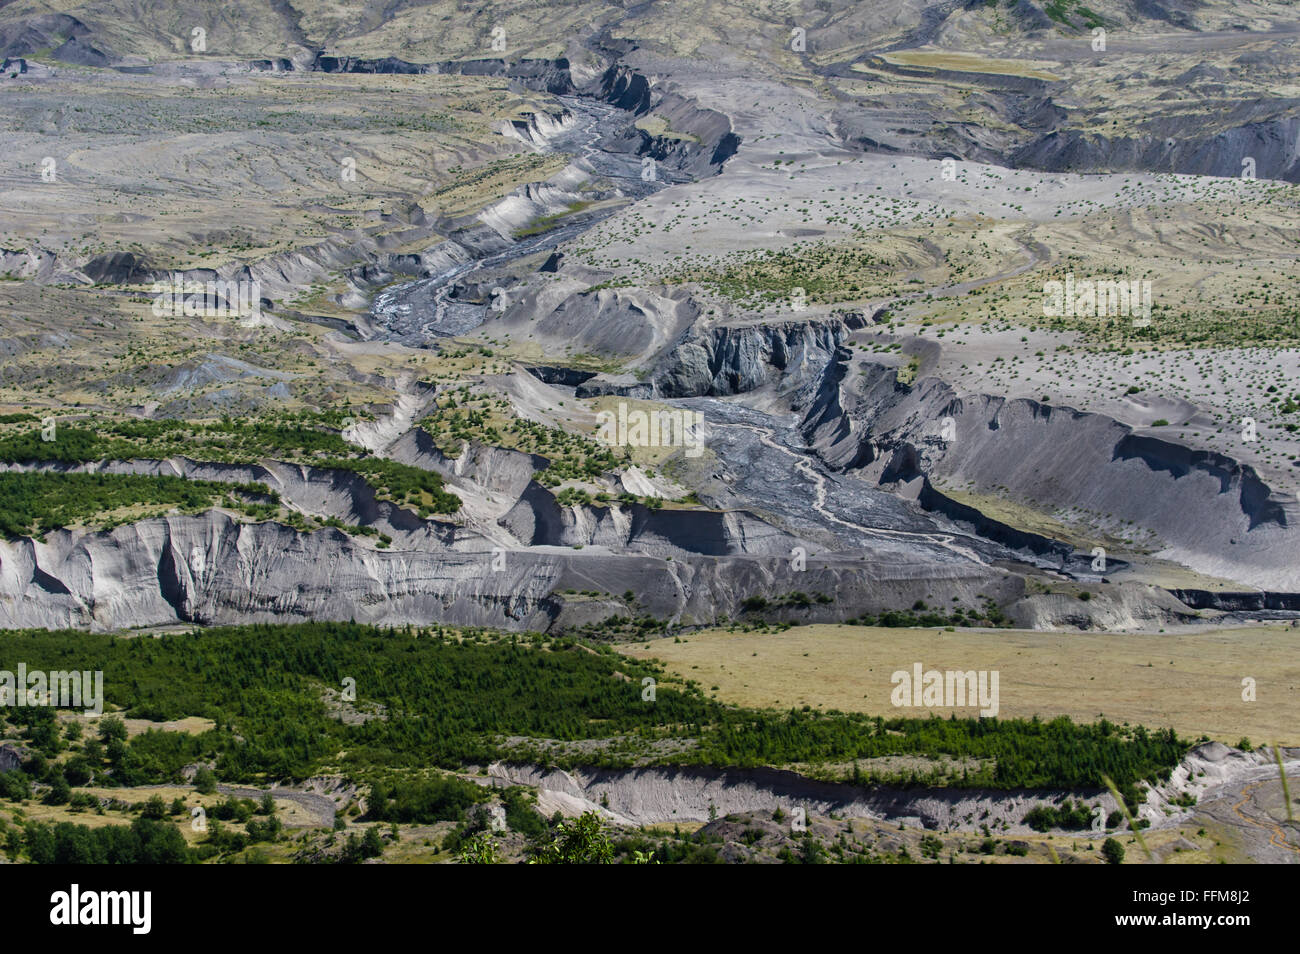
x=351, y=64
x=618, y=321
x=31, y=35
x=735, y=359
x=539, y=129
x=697, y=141
x=626, y=89
x=551, y=76
x=662, y=795
x=1205, y=510
x=212, y=569
x=118, y=268
x=565, y=377
x=618, y=385
x=1124, y=608
x=11, y=757
x=80, y=53
x=537, y=519
x=39, y=264
x=340, y=494
x=1270, y=141
x=1230, y=602
x=496, y=470
x=281, y=64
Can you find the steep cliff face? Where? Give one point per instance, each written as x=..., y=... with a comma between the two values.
x=505, y=559
x=625, y=88
x=701, y=140
x=312, y=490
x=826, y=425
x=1251, y=602
x=212, y=569
x=735, y=359
x=538, y=520
x=495, y=470
x=657, y=795
x=1269, y=141
x=1123, y=608
x=1206, y=510
x=538, y=129
x=551, y=76
x=354, y=64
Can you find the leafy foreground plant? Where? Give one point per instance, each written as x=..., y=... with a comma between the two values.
x=1137, y=833
x=481, y=849
x=582, y=841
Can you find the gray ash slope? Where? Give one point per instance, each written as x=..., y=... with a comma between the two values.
x=810, y=449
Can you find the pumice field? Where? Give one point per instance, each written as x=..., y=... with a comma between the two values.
x=592, y=432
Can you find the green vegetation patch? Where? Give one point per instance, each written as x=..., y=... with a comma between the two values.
x=1265, y=327
x=548, y=222
x=33, y=504
x=462, y=416
x=456, y=698
x=1071, y=12
x=826, y=273
x=310, y=438
x=230, y=440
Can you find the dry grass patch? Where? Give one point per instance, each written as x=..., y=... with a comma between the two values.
x=971, y=63
x=1189, y=680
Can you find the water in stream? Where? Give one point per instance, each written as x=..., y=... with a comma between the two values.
x=418, y=312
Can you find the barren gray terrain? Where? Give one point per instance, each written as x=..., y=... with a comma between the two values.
x=827, y=232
